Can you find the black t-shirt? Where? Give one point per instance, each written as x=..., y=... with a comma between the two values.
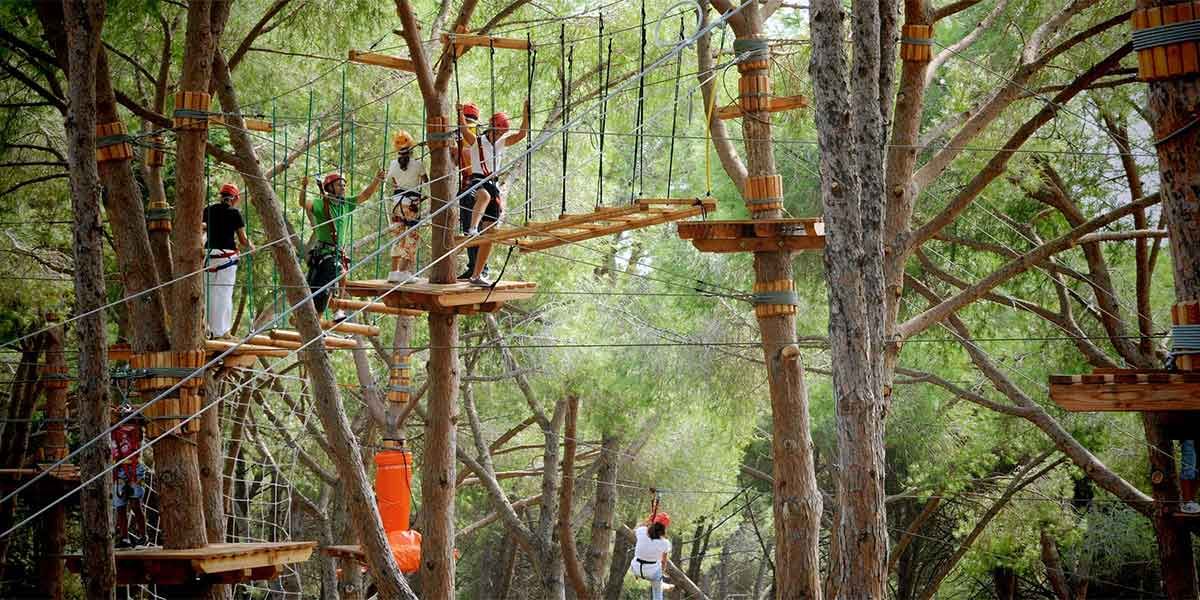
x=223, y=221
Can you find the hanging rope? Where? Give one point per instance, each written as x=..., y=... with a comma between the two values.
x=607, y=78
x=635, y=180
x=562, y=98
x=530, y=65
x=675, y=113
x=383, y=207
x=566, y=118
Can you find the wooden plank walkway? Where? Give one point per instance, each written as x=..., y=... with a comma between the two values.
x=568, y=229
x=213, y=563
x=460, y=298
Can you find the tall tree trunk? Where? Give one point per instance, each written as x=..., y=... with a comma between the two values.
x=438, y=469
x=346, y=454
x=14, y=441
x=797, y=499
x=83, y=22
x=850, y=126
x=210, y=459
x=566, y=489
x=54, y=523
x=622, y=555
x=1172, y=104
x=600, y=546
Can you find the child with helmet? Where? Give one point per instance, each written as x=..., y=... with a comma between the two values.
x=406, y=176
x=222, y=223
x=650, y=552
x=330, y=214
x=481, y=161
x=128, y=475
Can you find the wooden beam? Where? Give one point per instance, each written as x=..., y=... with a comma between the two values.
x=665, y=217
x=381, y=60
x=778, y=104
x=485, y=41
x=251, y=124
x=378, y=308
x=1126, y=397
x=350, y=328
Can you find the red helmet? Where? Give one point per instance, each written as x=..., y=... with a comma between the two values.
x=329, y=179
x=662, y=518
x=471, y=111
x=231, y=190
x=499, y=121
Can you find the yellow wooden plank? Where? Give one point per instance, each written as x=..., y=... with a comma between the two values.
x=665, y=217
x=778, y=104
x=485, y=41
x=381, y=60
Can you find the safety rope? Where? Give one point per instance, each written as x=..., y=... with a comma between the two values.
x=530, y=66
x=674, y=113
x=708, y=141
x=383, y=206
x=562, y=98
x=635, y=180
x=606, y=77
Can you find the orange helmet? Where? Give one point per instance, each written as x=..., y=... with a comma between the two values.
x=662, y=518
x=329, y=179
x=470, y=111
x=403, y=140
x=499, y=121
x=229, y=189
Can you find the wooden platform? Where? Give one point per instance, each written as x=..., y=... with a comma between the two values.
x=381, y=60
x=1127, y=390
x=214, y=563
x=764, y=235
x=64, y=472
x=459, y=298
x=567, y=229
x=351, y=552
x=778, y=104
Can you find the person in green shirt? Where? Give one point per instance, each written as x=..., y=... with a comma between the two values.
x=329, y=213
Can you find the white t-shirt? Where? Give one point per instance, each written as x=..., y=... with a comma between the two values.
x=405, y=179
x=648, y=549
x=493, y=154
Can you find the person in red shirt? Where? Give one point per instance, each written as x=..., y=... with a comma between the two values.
x=128, y=490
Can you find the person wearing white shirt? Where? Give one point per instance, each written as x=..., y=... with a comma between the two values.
x=650, y=553
x=482, y=157
x=405, y=176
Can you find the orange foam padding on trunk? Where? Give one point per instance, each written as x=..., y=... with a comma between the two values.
x=393, y=488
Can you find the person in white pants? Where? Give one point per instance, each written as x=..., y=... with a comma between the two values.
x=650, y=553
x=222, y=223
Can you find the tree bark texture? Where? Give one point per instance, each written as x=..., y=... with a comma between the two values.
x=797, y=499
x=566, y=533
x=83, y=22
x=341, y=440
x=54, y=522
x=437, y=471
x=599, y=551
x=1172, y=105
x=847, y=100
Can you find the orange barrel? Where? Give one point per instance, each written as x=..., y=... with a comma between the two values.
x=393, y=488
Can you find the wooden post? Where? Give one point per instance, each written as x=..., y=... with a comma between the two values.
x=1174, y=96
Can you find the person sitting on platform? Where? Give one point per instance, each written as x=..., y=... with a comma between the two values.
x=482, y=157
x=406, y=176
x=222, y=222
x=1187, y=477
x=128, y=475
x=330, y=214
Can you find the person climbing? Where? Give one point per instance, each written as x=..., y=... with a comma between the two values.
x=406, y=176
x=650, y=553
x=128, y=475
x=1187, y=477
x=330, y=216
x=222, y=223
x=482, y=160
